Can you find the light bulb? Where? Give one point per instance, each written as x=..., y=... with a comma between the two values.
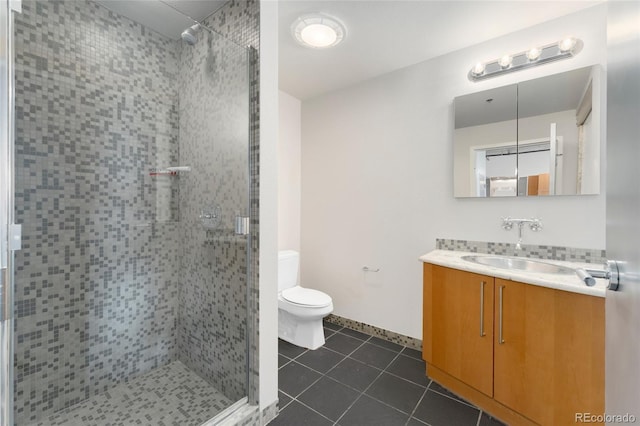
x=505, y=61
x=318, y=35
x=478, y=69
x=567, y=44
x=533, y=54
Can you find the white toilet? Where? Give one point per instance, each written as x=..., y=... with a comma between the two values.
x=300, y=310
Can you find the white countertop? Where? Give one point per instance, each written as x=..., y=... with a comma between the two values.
x=453, y=259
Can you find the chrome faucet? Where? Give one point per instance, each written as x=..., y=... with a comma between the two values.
x=534, y=224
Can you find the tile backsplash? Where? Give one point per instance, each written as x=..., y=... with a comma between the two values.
x=570, y=254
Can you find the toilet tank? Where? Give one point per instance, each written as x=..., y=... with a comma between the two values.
x=288, y=261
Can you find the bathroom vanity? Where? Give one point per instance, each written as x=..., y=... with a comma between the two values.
x=527, y=347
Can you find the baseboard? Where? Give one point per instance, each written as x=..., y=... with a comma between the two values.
x=381, y=333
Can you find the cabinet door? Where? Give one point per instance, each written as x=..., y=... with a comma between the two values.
x=462, y=326
x=549, y=352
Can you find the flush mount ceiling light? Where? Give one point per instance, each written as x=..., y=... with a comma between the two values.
x=318, y=30
x=563, y=49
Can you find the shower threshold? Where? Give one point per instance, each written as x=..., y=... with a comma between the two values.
x=169, y=395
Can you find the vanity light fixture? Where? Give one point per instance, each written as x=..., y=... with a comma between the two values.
x=533, y=54
x=318, y=30
x=505, y=61
x=563, y=49
x=567, y=44
x=478, y=69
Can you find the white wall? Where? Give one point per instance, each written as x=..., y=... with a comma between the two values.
x=289, y=173
x=268, y=270
x=377, y=186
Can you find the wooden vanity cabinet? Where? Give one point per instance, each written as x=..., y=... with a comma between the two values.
x=462, y=328
x=541, y=359
x=550, y=362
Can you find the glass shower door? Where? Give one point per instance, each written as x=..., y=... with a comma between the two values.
x=214, y=205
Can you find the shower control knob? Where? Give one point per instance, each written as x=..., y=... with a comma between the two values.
x=210, y=217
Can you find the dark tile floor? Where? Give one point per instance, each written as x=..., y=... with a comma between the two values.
x=359, y=380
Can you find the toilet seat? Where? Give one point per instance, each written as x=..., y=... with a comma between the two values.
x=306, y=297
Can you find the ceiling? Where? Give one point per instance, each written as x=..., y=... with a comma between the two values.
x=167, y=17
x=383, y=36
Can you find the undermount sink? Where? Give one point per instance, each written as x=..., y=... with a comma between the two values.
x=519, y=264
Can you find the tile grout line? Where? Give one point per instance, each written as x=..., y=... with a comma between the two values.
x=314, y=410
x=287, y=404
x=349, y=407
x=382, y=371
x=397, y=354
x=362, y=393
x=369, y=396
x=312, y=383
x=319, y=372
x=286, y=363
x=320, y=378
x=386, y=371
x=426, y=389
x=367, y=340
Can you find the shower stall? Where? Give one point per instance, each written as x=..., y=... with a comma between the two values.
x=128, y=215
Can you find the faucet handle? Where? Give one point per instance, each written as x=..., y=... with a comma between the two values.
x=507, y=223
x=535, y=225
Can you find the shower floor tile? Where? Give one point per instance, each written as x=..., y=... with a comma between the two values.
x=169, y=395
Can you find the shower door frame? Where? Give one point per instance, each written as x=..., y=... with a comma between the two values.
x=7, y=174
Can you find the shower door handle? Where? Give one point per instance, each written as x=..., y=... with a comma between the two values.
x=242, y=225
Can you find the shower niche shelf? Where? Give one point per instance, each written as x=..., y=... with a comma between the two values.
x=169, y=171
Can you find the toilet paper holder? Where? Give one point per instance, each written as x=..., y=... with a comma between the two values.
x=367, y=269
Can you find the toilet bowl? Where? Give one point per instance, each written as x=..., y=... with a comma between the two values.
x=300, y=310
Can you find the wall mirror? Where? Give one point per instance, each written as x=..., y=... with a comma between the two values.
x=536, y=138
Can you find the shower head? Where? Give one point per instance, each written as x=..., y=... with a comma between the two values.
x=190, y=35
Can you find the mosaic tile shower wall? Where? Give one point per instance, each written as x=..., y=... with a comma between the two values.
x=96, y=293
x=214, y=89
